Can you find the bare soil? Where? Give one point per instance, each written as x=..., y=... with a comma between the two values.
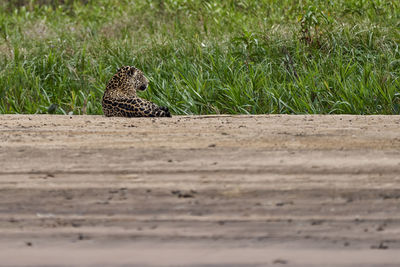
x=272, y=190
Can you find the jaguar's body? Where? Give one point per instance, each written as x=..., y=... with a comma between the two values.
x=120, y=99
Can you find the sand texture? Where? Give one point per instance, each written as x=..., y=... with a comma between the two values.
x=273, y=190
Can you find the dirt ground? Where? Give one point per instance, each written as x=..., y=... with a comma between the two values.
x=200, y=191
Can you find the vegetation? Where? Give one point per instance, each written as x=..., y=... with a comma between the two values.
x=203, y=57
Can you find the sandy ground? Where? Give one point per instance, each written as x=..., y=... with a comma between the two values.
x=200, y=191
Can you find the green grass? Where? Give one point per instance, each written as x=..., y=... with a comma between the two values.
x=203, y=57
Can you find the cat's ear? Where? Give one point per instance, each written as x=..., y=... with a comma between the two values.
x=131, y=70
x=123, y=69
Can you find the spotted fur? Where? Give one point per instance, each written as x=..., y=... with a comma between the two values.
x=120, y=99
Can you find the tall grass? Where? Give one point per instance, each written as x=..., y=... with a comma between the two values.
x=203, y=57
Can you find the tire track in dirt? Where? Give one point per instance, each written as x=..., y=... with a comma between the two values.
x=319, y=183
